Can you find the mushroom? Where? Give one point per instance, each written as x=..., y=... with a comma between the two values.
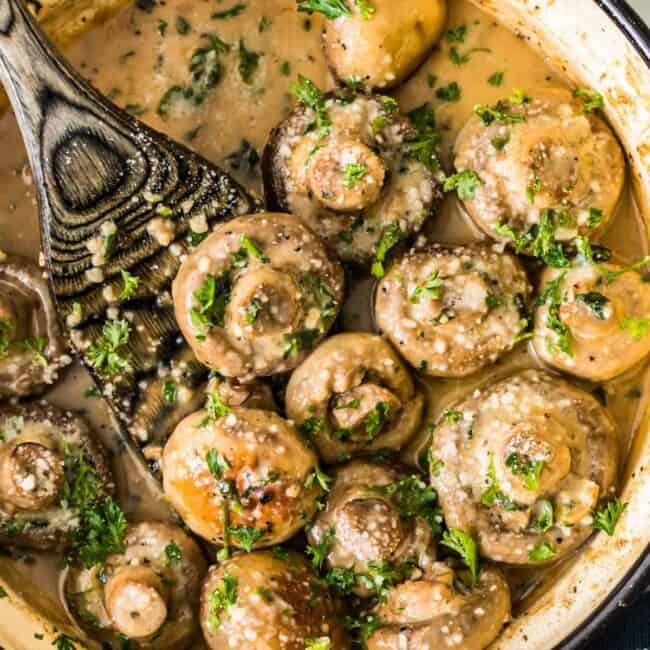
x=148, y=594
x=364, y=180
x=376, y=515
x=379, y=44
x=257, y=295
x=452, y=311
x=354, y=394
x=268, y=601
x=51, y=468
x=440, y=611
x=240, y=476
x=521, y=464
x=548, y=167
x=32, y=350
x=592, y=320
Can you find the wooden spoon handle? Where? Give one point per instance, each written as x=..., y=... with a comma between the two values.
x=100, y=171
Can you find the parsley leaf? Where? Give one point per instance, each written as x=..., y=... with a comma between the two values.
x=233, y=12
x=606, y=518
x=531, y=469
x=36, y=345
x=423, y=146
x=130, y=285
x=297, y=342
x=456, y=35
x=391, y=236
x=6, y=330
x=541, y=552
x=311, y=426
x=449, y=93
x=104, y=354
x=465, y=183
x=366, y=9
x=217, y=464
x=465, y=545
x=308, y=93
x=247, y=536
x=319, y=552
x=637, y=327
x=353, y=173
x=593, y=100
x=500, y=112
x=212, y=298
x=221, y=598
x=460, y=59
x=249, y=61
x=496, y=78
x=493, y=495
x=374, y=421
x=544, y=518
x=170, y=391
x=173, y=554
x=329, y=8
x=318, y=476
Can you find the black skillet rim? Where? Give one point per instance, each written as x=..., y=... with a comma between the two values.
x=637, y=578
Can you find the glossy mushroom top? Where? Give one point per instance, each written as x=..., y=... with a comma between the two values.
x=148, y=594
x=441, y=611
x=452, y=311
x=379, y=44
x=240, y=477
x=540, y=160
x=257, y=295
x=32, y=350
x=354, y=394
x=371, y=518
x=269, y=601
x=51, y=468
x=521, y=464
x=592, y=320
x=358, y=178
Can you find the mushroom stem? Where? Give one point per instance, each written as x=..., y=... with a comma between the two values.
x=31, y=475
x=136, y=600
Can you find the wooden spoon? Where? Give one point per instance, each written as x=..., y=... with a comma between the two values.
x=95, y=166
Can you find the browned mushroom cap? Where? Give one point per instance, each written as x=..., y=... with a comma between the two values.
x=521, y=464
x=381, y=46
x=51, y=466
x=367, y=520
x=260, y=602
x=538, y=154
x=256, y=295
x=354, y=394
x=32, y=350
x=244, y=477
x=438, y=611
x=355, y=183
x=253, y=395
x=452, y=311
x=149, y=593
x=593, y=320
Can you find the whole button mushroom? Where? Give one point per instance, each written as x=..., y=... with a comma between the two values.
x=440, y=611
x=257, y=295
x=148, y=594
x=592, y=319
x=32, y=349
x=369, y=520
x=352, y=395
x=240, y=477
x=452, y=311
x=379, y=43
x=538, y=167
x=269, y=601
x=51, y=468
x=364, y=179
x=522, y=464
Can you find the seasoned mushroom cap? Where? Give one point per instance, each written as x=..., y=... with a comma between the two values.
x=256, y=295
x=550, y=155
x=32, y=350
x=248, y=471
x=380, y=49
x=522, y=463
x=355, y=183
x=441, y=612
x=354, y=394
x=593, y=320
x=259, y=601
x=368, y=519
x=51, y=466
x=149, y=593
x=452, y=311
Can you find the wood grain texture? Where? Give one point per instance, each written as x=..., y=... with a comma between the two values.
x=95, y=164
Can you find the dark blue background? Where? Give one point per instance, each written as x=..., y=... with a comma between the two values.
x=629, y=631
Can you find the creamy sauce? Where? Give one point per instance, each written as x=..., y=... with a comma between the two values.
x=139, y=55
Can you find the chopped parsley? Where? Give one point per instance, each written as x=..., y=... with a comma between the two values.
x=390, y=237
x=595, y=301
x=252, y=311
x=36, y=345
x=544, y=518
x=64, y=642
x=341, y=580
x=452, y=416
x=375, y=420
x=465, y=184
x=104, y=354
x=456, y=35
x=183, y=26
x=249, y=62
x=423, y=146
x=593, y=100
x=353, y=174
x=233, y=12
x=329, y=8
x=366, y=9
x=246, y=536
x=170, y=391
x=541, y=552
x=298, y=342
x=534, y=188
x=129, y=285
x=216, y=408
x=432, y=288
x=318, y=643
x=500, y=112
x=381, y=576
x=499, y=142
x=221, y=598
x=464, y=544
x=308, y=94
x=449, y=93
x=496, y=78
x=318, y=476
x=319, y=552
x=6, y=330
x=637, y=327
x=609, y=275
x=492, y=495
x=212, y=297
x=606, y=518
x=173, y=554
x=264, y=24
x=461, y=59
x=217, y=464
x=311, y=426
x=285, y=68
x=530, y=469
